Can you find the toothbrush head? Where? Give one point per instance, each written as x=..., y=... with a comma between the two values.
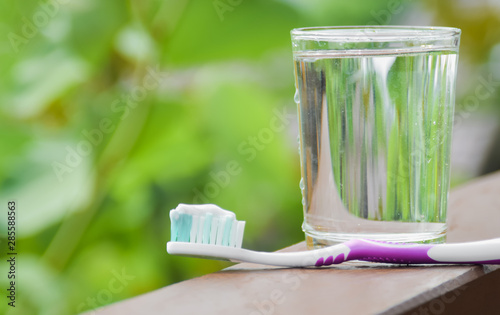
x=206, y=224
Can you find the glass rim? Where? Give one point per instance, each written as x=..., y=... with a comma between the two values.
x=374, y=33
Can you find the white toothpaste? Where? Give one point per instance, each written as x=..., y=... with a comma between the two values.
x=204, y=209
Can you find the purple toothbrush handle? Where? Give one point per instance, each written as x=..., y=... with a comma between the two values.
x=378, y=251
x=479, y=252
x=386, y=252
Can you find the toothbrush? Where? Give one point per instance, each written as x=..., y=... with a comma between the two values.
x=207, y=231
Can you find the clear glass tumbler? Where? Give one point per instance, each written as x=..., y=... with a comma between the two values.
x=375, y=108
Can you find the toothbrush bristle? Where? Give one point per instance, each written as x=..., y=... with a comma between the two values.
x=206, y=224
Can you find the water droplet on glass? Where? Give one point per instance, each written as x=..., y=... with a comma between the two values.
x=296, y=97
x=301, y=183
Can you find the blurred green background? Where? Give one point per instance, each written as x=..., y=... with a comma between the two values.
x=113, y=112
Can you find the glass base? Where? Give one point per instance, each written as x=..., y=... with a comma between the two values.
x=316, y=240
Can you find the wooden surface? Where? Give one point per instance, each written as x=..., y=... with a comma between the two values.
x=352, y=287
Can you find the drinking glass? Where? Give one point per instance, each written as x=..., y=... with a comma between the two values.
x=375, y=110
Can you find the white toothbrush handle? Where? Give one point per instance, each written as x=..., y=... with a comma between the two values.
x=291, y=259
x=481, y=252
